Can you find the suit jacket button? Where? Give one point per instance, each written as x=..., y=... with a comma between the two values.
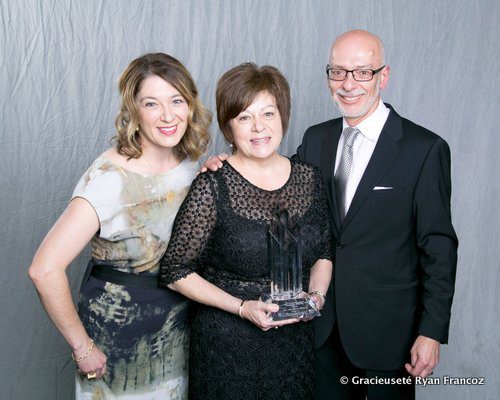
x=340, y=245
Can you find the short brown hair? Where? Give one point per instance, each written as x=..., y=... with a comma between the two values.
x=196, y=139
x=239, y=86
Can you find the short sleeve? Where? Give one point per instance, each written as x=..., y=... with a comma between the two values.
x=101, y=185
x=191, y=232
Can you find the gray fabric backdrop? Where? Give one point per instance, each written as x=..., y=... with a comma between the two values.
x=60, y=61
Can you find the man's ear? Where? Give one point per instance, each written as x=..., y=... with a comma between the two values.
x=384, y=77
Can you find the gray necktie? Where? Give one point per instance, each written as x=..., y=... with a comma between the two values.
x=344, y=169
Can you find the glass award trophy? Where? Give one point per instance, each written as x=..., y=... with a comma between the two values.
x=285, y=262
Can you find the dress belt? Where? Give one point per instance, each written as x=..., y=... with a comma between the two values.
x=109, y=274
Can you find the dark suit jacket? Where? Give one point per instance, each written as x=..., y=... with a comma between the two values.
x=396, y=251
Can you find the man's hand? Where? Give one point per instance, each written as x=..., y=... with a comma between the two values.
x=424, y=357
x=214, y=163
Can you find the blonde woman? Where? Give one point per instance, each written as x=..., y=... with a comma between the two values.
x=129, y=338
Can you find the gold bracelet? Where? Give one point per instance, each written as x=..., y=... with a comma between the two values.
x=85, y=355
x=317, y=292
x=241, y=309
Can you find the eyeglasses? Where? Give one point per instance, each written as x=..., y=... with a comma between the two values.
x=359, y=75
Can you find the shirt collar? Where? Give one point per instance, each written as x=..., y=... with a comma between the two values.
x=372, y=126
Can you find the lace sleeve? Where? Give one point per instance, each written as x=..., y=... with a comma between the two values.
x=325, y=217
x=192, y=228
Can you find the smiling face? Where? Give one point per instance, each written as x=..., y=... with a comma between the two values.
x=163, y=113
x=257, y=130
x=357, y=50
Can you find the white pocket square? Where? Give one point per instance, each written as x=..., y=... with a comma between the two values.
x=383, y=188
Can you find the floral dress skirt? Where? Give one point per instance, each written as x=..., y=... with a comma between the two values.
x=144, y=334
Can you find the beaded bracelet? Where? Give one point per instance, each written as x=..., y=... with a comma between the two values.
x=85, y=355
x=241, y=309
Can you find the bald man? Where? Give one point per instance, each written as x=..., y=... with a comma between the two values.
x=388, y=307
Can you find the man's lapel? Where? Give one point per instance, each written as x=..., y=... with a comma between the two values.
x=384, y=154
x=328, y=156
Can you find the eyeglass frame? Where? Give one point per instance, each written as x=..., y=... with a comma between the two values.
x=374, y=71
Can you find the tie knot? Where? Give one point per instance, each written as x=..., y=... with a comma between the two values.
x=350, y=134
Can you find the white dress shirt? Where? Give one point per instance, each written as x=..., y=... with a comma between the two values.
x=363, y=147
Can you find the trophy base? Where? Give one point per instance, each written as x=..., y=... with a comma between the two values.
x=301, y=308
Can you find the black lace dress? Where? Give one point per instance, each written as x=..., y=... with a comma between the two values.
x=221, y=233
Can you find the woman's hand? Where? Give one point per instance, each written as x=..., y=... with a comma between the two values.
x=321, y=274
x=214, y=162
x=318, y=300
x=259, y=313
x=94, y=363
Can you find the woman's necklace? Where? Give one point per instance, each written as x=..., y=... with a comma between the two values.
x=154, y=170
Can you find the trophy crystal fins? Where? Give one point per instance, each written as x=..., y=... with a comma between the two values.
x=285, y=263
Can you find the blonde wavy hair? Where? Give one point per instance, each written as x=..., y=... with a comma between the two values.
x=197, y=137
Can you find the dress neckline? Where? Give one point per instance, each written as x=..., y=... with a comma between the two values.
x=238, y=173
x=160, y=174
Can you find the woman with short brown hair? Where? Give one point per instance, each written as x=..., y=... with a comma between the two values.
x=238, y=87
x=218, y=254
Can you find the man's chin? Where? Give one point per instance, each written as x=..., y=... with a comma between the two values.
x=349, y=113
x=360, y=111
